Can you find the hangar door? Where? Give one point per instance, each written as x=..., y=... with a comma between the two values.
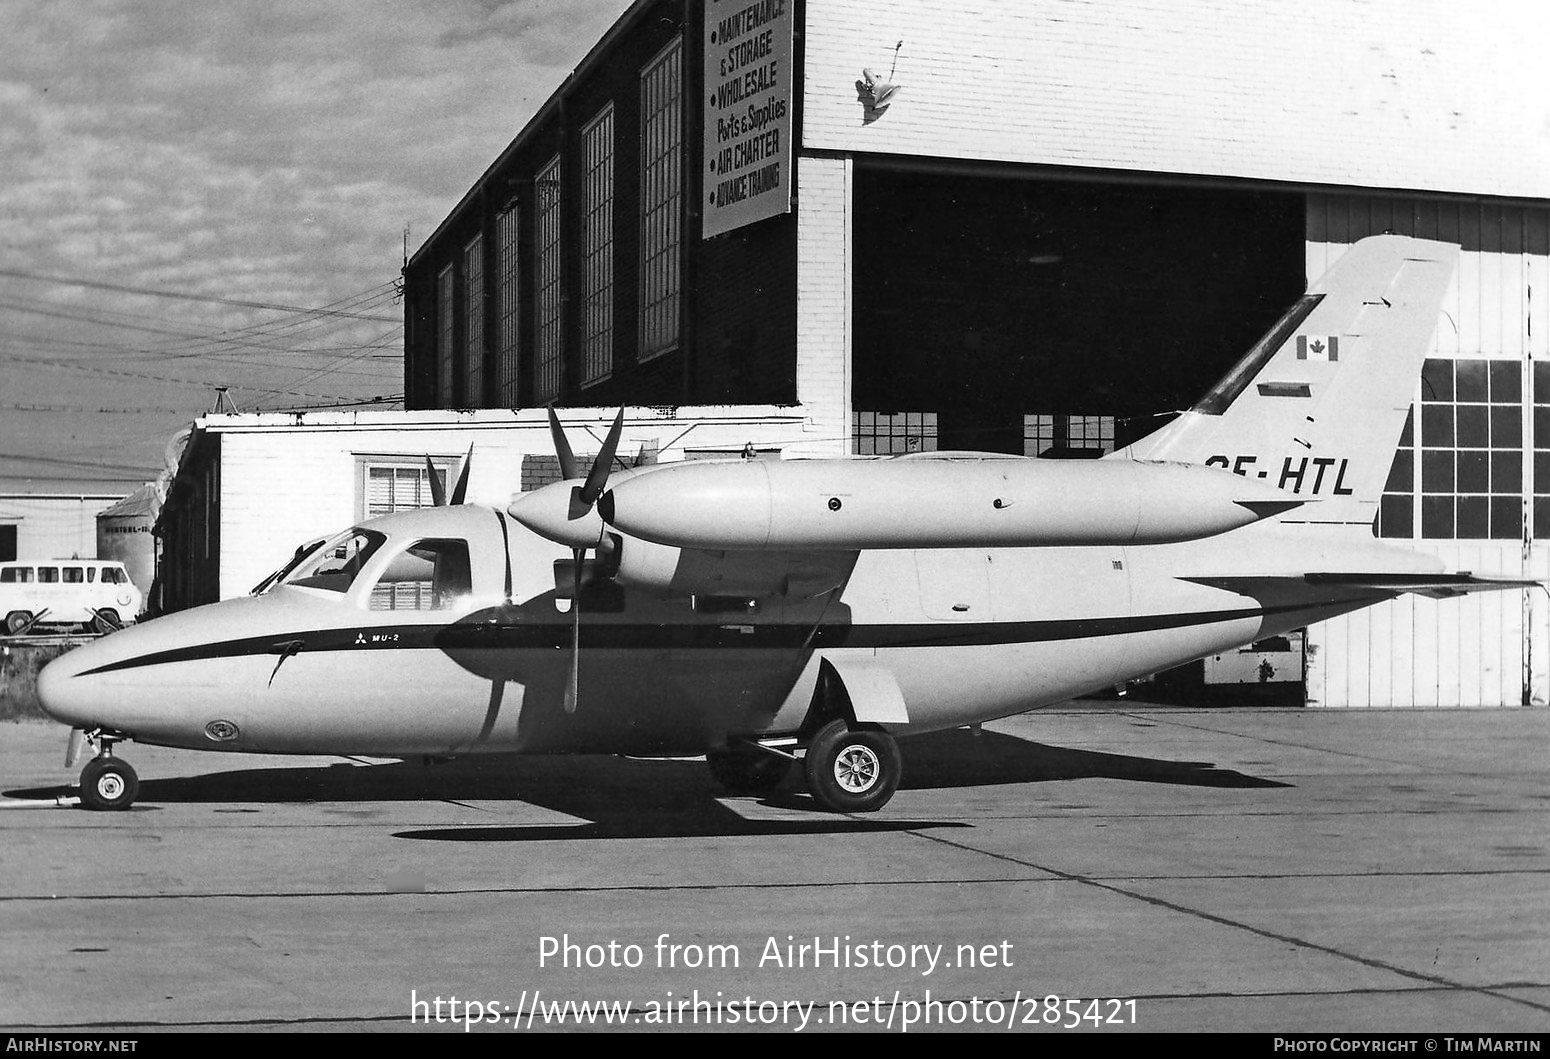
x=1009, y=314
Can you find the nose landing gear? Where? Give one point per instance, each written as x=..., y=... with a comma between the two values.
x=107, y=782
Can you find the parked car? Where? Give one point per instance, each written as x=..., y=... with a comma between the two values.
x=90, y=592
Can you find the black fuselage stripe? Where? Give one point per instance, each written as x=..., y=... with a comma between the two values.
x=491, y=636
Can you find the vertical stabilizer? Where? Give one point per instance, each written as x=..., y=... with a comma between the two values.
x=1316, y=408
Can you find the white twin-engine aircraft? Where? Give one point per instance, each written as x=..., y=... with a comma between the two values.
x=764, y=613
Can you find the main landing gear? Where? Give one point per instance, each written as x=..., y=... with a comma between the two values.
x=847, y=770
x=852, y=771
x=107, y=782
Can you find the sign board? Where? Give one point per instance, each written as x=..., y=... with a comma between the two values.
x=748, y=88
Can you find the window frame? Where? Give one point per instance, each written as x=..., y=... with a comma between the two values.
x=548, y=283
x=365, y=463
x=473, y=322
x=597, y=246
x=659, y=314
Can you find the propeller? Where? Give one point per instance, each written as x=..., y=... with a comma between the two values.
x=459, y=488
x=583, y=498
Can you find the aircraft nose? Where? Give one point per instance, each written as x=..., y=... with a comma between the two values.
x=63, y=694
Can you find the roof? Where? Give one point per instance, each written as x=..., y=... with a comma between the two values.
x=145, y=500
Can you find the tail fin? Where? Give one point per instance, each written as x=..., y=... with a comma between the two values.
x=1316, y=408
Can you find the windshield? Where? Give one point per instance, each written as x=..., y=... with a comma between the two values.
x=334, y=564
x=302, y=551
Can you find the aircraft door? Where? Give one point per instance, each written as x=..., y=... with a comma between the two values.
x=954, y=583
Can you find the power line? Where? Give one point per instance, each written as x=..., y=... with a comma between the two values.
x=182, y=296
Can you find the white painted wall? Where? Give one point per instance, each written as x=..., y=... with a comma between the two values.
x=286, y=479
x=1421, y=94
x=54, y=526
x=825, y=266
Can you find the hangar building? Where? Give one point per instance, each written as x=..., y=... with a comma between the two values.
x=1035, y=226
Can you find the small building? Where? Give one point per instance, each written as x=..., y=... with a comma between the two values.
x=49, y=523
x=250, y=488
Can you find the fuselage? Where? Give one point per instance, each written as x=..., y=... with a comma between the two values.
x=442, y=632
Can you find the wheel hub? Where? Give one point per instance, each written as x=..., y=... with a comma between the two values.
x=856, y=768
x=110, y=785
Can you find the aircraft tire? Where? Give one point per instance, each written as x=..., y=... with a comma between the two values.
x=108, y=783
x=851, y=771
x=744, y=771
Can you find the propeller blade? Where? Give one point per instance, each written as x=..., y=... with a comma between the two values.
x=568, y=469
x=73, y=747
x=597, y=477
x=460, y=490
x=438, y=495
x=574, y=678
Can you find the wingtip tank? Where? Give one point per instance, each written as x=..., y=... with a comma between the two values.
x=946, y=503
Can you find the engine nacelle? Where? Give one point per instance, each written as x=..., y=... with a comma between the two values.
x=673, y=571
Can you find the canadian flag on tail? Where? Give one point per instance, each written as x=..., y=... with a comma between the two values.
x=1318, y=347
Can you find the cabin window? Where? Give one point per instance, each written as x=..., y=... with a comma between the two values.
x=48, y=575
x=74, y=575
x=337, y=564
x=430, y=575
x=16, y=575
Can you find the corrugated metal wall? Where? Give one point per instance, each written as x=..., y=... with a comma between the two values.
x=1382, y=94
x=1491, y=649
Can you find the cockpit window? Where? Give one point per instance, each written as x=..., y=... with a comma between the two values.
x=302, y=552
x=336, y=563
x=430, y=575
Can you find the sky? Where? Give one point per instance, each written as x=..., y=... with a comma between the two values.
x=196, y=195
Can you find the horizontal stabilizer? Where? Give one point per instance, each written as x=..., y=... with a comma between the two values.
x=1435, y=585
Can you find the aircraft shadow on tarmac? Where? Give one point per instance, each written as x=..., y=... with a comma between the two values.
x=638, y=798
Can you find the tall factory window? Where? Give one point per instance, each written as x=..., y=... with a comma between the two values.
x=1472, y=449
x=546, y=285
x=473, y=321
x=444, y=320
x=661, y=199
x=597, y=253
x=509, y=319
x=7, y=543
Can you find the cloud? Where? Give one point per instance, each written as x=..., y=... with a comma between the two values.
x=264, y=150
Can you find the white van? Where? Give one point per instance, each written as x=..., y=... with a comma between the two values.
x=90, y=592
